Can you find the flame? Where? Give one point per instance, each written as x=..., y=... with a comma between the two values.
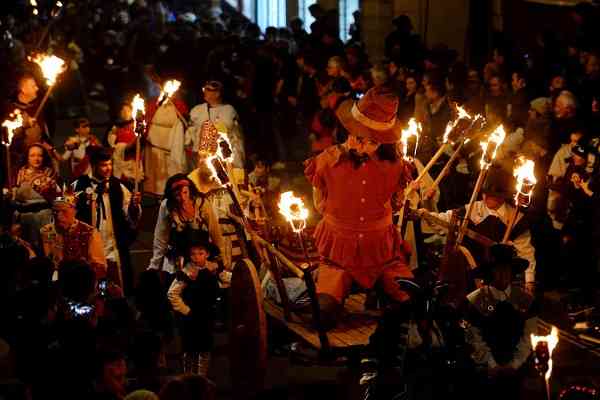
x=168, y=90
x=51, y=67
x=220, y=156
x=413, y=130
x=551, y=340
x=462, y=114
x=35, y=11
x=294, y=211
x=11, y=125
x=59, y=4
x=137, y=106
x=33, y=3
x=525, y=178
x=496, y=137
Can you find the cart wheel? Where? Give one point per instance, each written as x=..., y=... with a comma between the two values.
x=248, y=336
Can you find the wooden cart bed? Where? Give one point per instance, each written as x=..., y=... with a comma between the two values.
x=354, y=329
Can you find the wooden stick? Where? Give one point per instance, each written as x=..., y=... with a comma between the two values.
x=511, y=224
x=284, y=260
x=138, y=151
x=448, y=165
x=43, y=102
x=474, y=195
x=8, y=167
x=432, y=161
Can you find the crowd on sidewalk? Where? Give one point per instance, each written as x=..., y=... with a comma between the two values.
x=80, y=323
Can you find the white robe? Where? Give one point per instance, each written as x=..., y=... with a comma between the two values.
x=164, y=155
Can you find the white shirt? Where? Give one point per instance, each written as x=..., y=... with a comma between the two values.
x=522, y=243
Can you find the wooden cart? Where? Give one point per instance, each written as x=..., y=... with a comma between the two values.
x=251, y=310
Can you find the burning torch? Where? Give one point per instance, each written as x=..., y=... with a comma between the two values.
x=413, y=130
x=295, y=213
x=543, y=346
x=138, y=114
x=490, y=148
x=51, y=67
x=526, y=181
x=166, y=95
x=11, y=125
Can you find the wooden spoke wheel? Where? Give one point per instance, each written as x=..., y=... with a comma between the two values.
x=248, y=336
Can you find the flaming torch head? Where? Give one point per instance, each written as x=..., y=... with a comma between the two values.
x=293, y=210
x=216, y=150
x=543, y=347
x=138, y=111
x=526, y=181
x=490, y=147
x=412, y=130
x=11, y=125
x=51, y=67
x=168, y=90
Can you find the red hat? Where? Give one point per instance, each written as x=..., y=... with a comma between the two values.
x=373, y=116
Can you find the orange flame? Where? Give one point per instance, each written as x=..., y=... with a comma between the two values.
x=137, y=106
x=51, y=67
x=551, y=340
x=11, y=125
x=525, y=179
x=489, y=153
x=168, y=90
x=413, y=130
x=220, y=156
x=294, y=211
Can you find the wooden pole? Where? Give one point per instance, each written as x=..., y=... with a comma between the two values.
x=432, y=161
x=474, y=195
x=8, y=167
x=448, y=165
x=43, y=102
x=511, y=224
x=137, y=163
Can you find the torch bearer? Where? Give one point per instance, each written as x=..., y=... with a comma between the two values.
x=490, y=148
x=543, y=346
x=51, y=67
x=525, y=183
x=11, y=125
x=138, y=113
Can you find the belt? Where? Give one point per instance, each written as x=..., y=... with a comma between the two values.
x=356, y=225
x=32, y=208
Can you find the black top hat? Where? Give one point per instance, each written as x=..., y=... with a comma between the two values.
x=99, y=153
x=500, y=255
x=580, y=151
x=188, y=238
x=499, y=183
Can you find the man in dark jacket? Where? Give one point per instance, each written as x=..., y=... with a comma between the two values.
x=105, y=203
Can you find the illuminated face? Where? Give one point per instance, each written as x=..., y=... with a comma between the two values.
x=126, y=112
x=362, y=145
x=28, y=87
x=411, y=85
x=198, y=255
x=592, y=66
x=64, y=216
x=35, y=158
x=104, y=169
x=183, y=195
x=517, y=82
x=333, y=69
x=211, y=96
x=83, y=129
x=557, y=83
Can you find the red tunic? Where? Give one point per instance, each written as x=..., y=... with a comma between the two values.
x=356, y=231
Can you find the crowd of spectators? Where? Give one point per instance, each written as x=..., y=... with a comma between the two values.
x=285, y=84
